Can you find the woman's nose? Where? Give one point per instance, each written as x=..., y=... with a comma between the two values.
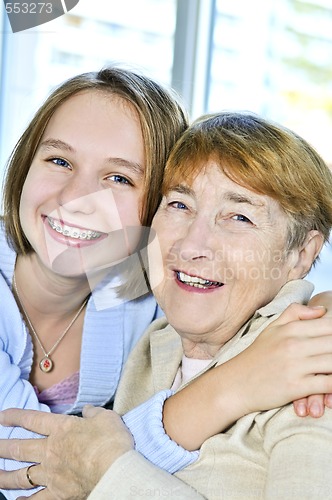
x=198, y=242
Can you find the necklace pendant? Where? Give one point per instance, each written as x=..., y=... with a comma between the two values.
x=46, y=364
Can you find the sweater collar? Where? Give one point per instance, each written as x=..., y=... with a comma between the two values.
x=293, y=291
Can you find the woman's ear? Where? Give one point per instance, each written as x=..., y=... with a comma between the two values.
x=305, y=255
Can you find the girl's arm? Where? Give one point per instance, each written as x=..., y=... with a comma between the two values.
x=254, y=381
x=15, y=360
x=15, y=365
x=251, y=381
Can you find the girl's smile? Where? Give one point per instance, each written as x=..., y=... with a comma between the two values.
x=85, y=184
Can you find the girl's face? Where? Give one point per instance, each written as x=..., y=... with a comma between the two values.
x=81, y=199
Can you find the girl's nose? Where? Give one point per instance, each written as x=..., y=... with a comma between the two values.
x=79, y=195
x=97, y=209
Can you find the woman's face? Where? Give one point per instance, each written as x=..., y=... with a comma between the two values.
x=219, y=255
x=80, y=202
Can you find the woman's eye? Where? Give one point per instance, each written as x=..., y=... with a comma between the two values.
x=119, y=179
x=178, y=205
x=241, y=218
x=60, y=161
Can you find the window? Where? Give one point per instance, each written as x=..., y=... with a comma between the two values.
x=139, y=34
x=268, y=56
x=274, y=58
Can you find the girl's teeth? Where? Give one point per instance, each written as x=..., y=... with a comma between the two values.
x=73, y=232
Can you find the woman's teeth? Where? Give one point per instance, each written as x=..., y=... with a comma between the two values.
x=73, y=232
x=195, y=281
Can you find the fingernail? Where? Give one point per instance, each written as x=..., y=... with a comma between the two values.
x=315, y=410
x=328, y=400
x=301, y=410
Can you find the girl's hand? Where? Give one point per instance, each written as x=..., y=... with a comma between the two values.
x=290, y=359
x=312, y=405
x=315, y=405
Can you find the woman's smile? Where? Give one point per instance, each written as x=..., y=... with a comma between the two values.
x=217, y=242
x=196, y=283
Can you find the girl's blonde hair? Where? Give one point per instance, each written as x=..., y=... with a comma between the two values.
x=162, y=117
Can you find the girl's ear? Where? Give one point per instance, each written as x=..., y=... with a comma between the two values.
x=305, y=256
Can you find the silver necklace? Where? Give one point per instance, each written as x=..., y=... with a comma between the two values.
x=46, y=364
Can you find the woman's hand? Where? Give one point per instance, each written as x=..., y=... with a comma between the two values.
x=73, y=456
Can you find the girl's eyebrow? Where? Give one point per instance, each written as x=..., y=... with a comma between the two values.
x=123, y=162
x=56, y=144
x=49, y=144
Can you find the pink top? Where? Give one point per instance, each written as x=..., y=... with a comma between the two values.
x=59, y=397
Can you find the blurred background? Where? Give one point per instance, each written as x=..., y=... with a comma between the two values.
x=273, y=57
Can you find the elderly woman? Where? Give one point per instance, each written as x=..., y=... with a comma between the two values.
x=246, y=209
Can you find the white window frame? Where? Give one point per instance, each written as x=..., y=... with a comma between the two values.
x=192, y=52
x=190, y=74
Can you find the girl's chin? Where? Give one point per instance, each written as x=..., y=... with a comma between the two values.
x=72, y=263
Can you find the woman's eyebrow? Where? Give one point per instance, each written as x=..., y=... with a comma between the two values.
x=182, y=189
x=243, y=198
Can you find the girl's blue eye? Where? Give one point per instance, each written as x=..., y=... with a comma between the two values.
x=119, y=179
x=60, y=161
